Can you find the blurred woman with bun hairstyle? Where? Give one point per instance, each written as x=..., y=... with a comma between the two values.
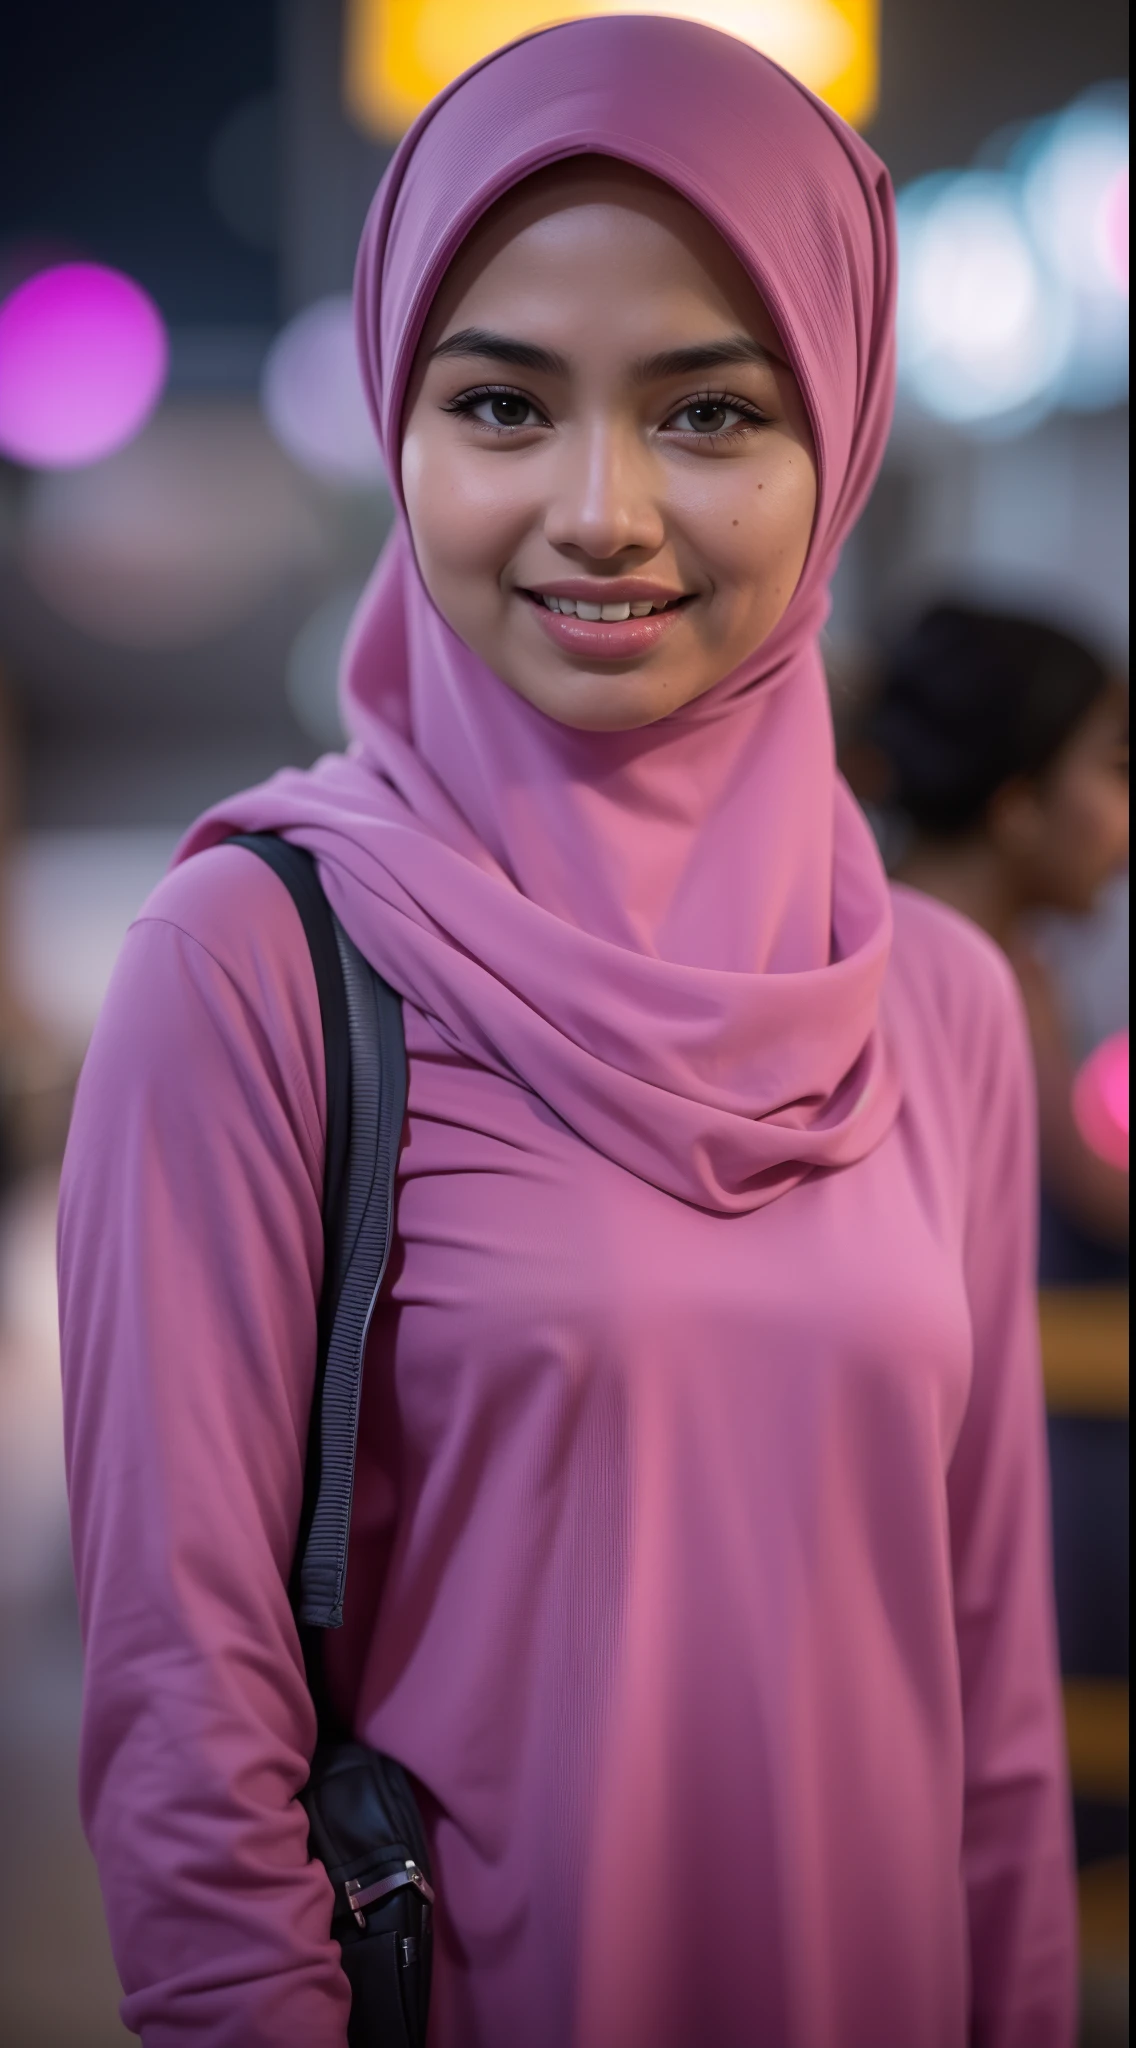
x=699, y=1573
x=1002, y=743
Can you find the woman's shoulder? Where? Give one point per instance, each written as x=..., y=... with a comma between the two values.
x=930, y=936
x=234, y=908
x=215, y=984
x=955, y=982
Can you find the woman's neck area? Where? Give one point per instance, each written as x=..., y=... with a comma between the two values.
x=968, y=874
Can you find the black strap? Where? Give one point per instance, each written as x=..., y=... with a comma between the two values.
x=365, y=1061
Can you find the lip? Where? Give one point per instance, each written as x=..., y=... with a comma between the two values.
x=603, y=639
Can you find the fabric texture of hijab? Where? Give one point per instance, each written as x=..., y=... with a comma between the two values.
x=675, y=936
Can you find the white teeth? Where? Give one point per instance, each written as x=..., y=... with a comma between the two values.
x=582, y=608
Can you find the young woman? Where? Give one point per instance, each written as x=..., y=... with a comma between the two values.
x=1003, y=744
x=699, y=1569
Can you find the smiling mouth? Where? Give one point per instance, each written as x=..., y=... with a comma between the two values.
x=608, y=614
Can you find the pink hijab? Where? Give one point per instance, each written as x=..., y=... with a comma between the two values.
x=675, y=937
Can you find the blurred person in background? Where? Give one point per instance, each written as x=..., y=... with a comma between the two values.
x=997, y=748
x=1002, y=744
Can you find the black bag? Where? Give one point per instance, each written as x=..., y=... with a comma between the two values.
x=363, y=1821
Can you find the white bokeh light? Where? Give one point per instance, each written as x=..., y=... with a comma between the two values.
x=982, y=332
x=1014, y=281
x=313, y=398
x=1074, y=173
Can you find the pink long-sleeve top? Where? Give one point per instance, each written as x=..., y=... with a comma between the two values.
x=712, y=1614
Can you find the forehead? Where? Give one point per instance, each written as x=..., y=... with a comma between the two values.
x=607, y=228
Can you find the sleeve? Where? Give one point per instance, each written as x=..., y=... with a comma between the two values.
x=190, y=1260
x=1017, y=1857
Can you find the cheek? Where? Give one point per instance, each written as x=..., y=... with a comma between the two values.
x=462, y=523
x=754, y=531
x=1111, y=822
x=1093, y=825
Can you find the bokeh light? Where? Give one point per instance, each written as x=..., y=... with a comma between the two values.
x=83, y=357
x=1074, y=173
x=1074, y=170
x=982, y=333
x=313, y=398
x=311, y=678
x=175, y=538
x=1100, y=1101
x=1014, y=282
x=1116, y=228
x=399, y=53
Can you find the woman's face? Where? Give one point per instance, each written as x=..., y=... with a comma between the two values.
x=1067, y=833
x=601, y=415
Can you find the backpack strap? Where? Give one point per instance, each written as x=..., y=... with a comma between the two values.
x=365, y=1060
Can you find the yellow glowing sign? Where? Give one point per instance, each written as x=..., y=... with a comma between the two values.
x=399, y=53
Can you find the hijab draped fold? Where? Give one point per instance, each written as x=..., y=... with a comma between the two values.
x=676, y=937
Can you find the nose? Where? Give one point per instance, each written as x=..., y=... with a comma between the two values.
x=604, y=501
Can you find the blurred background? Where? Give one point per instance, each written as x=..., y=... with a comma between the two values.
x=190, y=501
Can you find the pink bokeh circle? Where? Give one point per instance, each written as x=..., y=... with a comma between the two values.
x=1100, y=1101
x=1116, y=228
x=83, y=359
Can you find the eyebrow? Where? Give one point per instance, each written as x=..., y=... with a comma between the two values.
x=707, y=355
x=500, y=348
x=671, y=362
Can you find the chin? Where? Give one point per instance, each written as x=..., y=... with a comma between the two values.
x=601, y=718
x=631, y=721
x=614, y=701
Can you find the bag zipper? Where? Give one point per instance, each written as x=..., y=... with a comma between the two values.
x=358, y=1895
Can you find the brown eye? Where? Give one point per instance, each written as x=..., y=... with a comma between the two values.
x=712, y=418
x=506, y=410
x=706, y=418
x=501, y=409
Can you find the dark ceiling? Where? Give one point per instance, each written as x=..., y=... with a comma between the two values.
x=953, y=71
x=107, y=108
